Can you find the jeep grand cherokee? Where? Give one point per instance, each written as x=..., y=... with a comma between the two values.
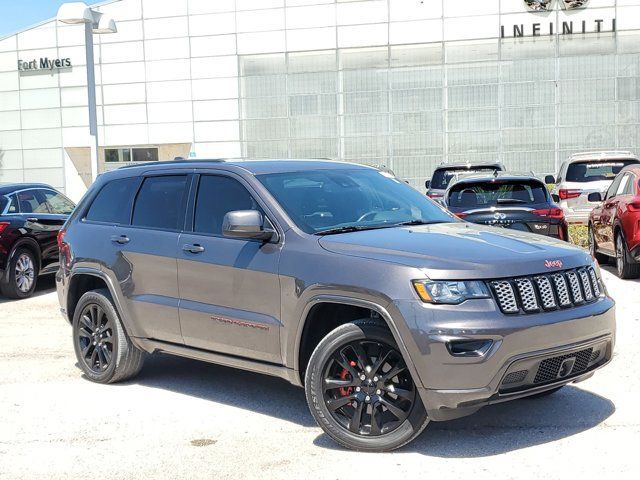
x=340, y=278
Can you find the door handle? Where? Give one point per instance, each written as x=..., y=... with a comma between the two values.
x=121, y=239
x=195, y=248
x=33, y=219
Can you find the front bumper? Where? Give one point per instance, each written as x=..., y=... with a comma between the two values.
x=455, y=386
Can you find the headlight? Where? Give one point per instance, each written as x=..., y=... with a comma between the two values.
x=449, y=292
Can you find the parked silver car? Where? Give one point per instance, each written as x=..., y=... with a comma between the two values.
x=585, y=173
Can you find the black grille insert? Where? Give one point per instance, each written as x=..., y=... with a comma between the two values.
x=549, y=369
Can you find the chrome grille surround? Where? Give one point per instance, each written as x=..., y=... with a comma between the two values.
x=566, y=289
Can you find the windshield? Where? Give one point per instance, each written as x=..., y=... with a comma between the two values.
x=322, y=200
x=491, y=194
x=442, y=176
x=595, y=171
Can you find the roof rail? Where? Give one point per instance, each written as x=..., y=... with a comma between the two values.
x=602, y=153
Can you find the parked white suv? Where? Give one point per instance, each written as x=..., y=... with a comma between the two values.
x=585, y=173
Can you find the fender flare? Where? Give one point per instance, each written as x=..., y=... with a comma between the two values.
x=355, y=302
x=17, y=244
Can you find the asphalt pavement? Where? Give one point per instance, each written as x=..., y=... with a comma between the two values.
x=183, y=419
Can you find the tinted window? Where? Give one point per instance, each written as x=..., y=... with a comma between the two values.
x=490, y=194
x=442, y=177
x=160, y=203
x=216, y=197
x=32, y=201
x=327, y=199
x=613, y=188
x=58, y=203
x=595, y=171
x=13, y=204
x=113, y=203
x=631, y=185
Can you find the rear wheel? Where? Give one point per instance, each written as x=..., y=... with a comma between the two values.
x=103, y=349
x=625, y=266
x=593, y=248
x=20, y=278
x=360, y=391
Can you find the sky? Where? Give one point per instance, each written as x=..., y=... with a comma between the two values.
x=18, y=14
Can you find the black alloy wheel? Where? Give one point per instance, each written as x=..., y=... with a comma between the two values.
x=367, y=388
x=96, y=338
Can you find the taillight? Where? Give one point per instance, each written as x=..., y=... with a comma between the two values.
x=461, y=214
x=556, y=213
x=3, y=226
x=434, y=195
x=633, y=207
x=564, y=193
x=63, y=247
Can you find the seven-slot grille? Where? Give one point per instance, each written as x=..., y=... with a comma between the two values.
x=547, y=292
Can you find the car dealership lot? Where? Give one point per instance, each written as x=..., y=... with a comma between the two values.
x=184, y=419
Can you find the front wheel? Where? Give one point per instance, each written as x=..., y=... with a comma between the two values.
x=593, y=248
x=360, y=390
x=625, y=266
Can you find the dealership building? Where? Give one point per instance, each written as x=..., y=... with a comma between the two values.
x=403, y=83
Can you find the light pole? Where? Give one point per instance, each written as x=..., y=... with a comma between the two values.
x=94, y=22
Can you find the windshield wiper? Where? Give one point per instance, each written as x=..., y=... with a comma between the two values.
x=417, y=222
x=352, y=228
x=510, y=200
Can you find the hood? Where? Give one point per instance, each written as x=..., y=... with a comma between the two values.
x=460, y=250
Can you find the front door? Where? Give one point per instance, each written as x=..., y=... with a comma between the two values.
x=229, y=288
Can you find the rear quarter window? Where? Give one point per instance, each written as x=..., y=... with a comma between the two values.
x=114, y=202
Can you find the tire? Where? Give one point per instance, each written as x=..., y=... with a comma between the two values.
x=545, y=393
x=331, y=406
x=626, y=268
x=22, y=275
x=593, y=248
x=96, y=320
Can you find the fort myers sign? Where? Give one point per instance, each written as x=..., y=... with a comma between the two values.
x=44, y=64
x=552, y=27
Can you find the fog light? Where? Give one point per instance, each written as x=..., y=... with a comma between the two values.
x=469, y=348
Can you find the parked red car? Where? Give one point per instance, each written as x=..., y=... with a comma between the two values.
x=614, y=225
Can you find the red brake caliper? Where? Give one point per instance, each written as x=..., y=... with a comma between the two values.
x=346, y=391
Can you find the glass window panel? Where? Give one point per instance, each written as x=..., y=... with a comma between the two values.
x=314, y=148
x=629, y=112
x=368, y=102
x=364, y=58
x=474, y=51
x=466, y=120
x=309, y=126
x=478, y=157
x=262, y=149
x=539, y=162
x=472, y=74
x=473, y=96
x=365, y=124
x=591, y=66
x=587, y=114
x=418, y=144
x=364, y=80
x=629, y=65
x=263, y=64
x=425, y=77
x=629, y=136
x=355, y=147
x=160, y=202
x=323, y=82
x=531, y=47
x=267, y=129
x=587, y=90
x=312, y=61
x=629, y=88
x=145, y=154
x=417, y=122
x=265, y=107
x=312, y=105
x=588, y=45
x=114, y=202
x=416, y=100
x=528, y=69
x=474, y=142
x=416, y=170
x=530, y=117
x=529, y=93
x=580, y=138
x=264, y=86
x=414, y=55
x=528, y=139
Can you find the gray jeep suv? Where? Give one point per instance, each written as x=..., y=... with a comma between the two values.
x=340, y=278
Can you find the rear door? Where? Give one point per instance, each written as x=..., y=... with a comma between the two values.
x=229, y=287
x=145, y=256
x=609, y=207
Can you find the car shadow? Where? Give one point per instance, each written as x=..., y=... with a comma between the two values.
x=493, y=430
x=45, y=285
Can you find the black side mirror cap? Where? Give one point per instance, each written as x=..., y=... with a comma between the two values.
x=247, y=224
x=427, y=184
x=555, y=197
x=595, y=197
x=549, y=180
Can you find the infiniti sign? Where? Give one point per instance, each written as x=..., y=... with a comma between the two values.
x=553, y=25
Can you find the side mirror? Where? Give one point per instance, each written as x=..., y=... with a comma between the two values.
x=427, y=184
x=555, y=197
x=595, y=197
x=549, y=180
x=247, y=224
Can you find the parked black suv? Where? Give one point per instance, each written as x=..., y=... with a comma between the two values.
x=339, y=277
x=30, y=216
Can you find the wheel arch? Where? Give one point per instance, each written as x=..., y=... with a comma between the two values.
x=31, y=244
x=377, y=311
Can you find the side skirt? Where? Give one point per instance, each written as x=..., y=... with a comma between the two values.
x=274, y=370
